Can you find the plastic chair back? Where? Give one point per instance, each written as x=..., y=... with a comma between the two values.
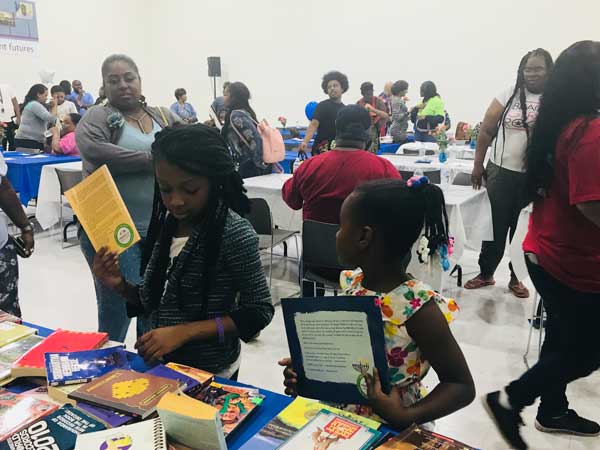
x=68, y=179
x=318, y=245
x=406, y=174
x=435, y=176
x=260, y=216
x=462, y=179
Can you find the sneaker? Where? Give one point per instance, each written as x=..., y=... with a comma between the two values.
x=507, y=421
x=570, y=423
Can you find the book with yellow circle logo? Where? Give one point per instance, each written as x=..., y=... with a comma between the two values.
x=99, y=207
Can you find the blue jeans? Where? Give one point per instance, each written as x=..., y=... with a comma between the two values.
x=112, y=313
x=423, y=137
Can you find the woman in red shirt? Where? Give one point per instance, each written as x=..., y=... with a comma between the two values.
x=562, y=248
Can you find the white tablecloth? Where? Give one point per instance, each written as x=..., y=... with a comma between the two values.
x=469, y=211
x=48, y=209
x=409, y=163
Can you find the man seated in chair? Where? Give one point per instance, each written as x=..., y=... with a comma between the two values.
x=321, y=184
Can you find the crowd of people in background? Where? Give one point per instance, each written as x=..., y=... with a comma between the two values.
x=195, y=281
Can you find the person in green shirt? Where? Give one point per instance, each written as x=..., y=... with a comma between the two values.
x=428, y=114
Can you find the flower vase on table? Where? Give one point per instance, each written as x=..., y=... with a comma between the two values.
x=442, y=141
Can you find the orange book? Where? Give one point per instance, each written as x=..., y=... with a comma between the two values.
x=32, y=363
x=126, y=391
x=201, y=376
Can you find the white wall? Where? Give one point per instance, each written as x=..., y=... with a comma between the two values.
x=281, y=49
x=74, y=38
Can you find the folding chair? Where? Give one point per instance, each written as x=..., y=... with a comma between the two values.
x=67, y=179
x=269, y=237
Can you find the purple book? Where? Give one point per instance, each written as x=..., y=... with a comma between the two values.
x=187, y=384
x=108, y=417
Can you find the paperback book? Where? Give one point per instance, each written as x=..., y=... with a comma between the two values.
x=235, y=404
x=292, y=419
x=56, y=431
x=416, y=438
x=330, y=430
x=11, y=332
x=32, y=363
x=17, y=411
x=83, y=366
x=126, y=391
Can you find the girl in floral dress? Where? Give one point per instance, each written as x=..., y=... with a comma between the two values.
x=379, y=223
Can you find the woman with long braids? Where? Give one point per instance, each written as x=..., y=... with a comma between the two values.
x=204, y=288
x=120, y=134
x=241, y=132
x=507, y=126
x=562, y=248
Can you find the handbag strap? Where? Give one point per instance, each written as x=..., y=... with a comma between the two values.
x=163, y=116
x=238, y=131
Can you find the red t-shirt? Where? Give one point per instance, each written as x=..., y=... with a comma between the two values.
x=566, y=243
x=322, y=183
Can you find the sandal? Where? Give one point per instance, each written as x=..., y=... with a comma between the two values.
x=519, y=290
x=478, y=282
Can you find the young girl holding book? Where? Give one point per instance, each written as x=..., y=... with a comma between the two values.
x=379, y=223
x=204, y=288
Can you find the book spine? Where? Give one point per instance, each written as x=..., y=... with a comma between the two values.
x=118, y=407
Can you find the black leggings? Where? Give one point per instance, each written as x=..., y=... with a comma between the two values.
x=570, y=349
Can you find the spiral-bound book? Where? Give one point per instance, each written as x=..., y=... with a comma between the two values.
x=148, y=435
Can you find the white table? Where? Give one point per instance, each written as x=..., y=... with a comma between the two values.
x=469, y=218
x=469, y=211
x=410, y=164
x=49, y=209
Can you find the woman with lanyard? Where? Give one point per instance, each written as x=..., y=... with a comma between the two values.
x=120, y=135
x=507, y=126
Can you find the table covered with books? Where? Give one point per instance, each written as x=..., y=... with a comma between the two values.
x=34, y=402
x=24, y=171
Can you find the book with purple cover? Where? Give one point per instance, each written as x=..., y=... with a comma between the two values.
x=187, y=384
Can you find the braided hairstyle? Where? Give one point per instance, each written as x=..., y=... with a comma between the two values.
x=572, y=91
x=520, y=91
x=201, y=151
x=400, y=212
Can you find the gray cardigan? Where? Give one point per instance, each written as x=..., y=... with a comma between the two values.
x=97, y=142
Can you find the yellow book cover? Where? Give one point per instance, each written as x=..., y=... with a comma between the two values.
x=99, y=207
x=11, y=332
x=191, y=422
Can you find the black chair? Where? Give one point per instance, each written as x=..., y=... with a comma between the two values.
x=411, y=152
x=269, y=237
x=67, y=179
x=319, y=256
x=435, y=176
x=406, y=174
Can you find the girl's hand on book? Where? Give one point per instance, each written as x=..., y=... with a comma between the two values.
x=290, y=377
x=159, y=342
x=384, y=405
x=106, y=269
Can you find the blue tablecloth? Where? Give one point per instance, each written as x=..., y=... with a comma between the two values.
x=25, y=170
x=272, y=405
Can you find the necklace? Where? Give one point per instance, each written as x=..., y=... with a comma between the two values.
x=139, y=121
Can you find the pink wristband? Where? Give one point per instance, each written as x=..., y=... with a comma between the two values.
x=220, y=330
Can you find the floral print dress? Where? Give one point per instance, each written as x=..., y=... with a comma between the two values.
x=407, y=366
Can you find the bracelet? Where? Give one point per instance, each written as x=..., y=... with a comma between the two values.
x=220, y=330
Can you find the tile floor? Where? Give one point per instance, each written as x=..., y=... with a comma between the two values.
x=56, y=291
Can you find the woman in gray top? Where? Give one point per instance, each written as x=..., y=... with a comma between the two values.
x=120, y=134
x=35, y=118
x=400, y=114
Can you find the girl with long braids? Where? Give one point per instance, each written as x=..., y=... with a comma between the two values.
x=507, y=126
x=562, y=249
x=204, y=288
x=379, y=224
